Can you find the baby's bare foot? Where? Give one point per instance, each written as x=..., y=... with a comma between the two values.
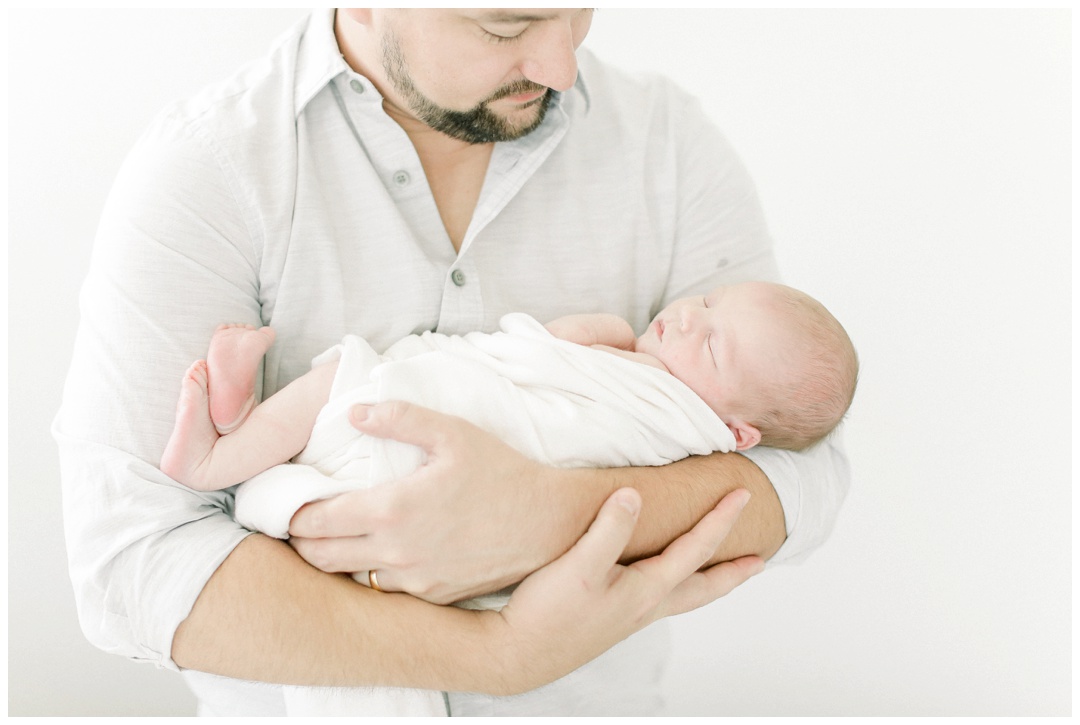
x=233, y=362
x=193, y=436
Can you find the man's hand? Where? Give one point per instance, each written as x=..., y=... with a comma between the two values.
x=575, y=608
x=473, y=519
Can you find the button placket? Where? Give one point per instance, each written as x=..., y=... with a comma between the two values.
x=462, y=307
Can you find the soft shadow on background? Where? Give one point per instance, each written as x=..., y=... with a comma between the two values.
x=915, y=171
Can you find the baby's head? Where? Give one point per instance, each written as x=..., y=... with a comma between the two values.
x=769, y=360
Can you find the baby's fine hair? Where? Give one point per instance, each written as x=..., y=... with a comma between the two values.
x=806, y=406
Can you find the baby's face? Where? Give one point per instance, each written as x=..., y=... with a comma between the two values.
x=717, y=344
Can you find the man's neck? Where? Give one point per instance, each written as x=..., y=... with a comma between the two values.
x=455, y=169
x=455, y=172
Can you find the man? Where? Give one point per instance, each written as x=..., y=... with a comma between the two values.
x=452, y=166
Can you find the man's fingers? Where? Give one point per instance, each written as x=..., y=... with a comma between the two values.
x=689, y=552
x=707, y=586
x=600, y=548
x=346, y=554
x=405, y=422
x=349, y=514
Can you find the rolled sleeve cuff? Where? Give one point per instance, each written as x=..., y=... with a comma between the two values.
x=811, y=486
x=139, y=564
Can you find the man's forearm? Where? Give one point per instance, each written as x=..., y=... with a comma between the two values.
x=676, y=496
x=268, y=616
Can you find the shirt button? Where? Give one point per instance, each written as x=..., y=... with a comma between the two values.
x=356, y=85
x=401, y=178
x=458, y=277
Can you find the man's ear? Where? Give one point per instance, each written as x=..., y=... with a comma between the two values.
x=746, y=435
x=357, y=15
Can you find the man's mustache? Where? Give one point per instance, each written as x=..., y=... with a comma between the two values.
x=516, y=89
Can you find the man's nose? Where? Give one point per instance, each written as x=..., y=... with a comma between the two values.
x=552, y=62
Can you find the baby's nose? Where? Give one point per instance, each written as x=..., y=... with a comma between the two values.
x=687, y=318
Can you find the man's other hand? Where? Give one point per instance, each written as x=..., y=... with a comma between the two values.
x=578, y=606
x=475, y=517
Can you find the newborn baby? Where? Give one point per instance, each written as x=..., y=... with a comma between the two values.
x=768, y=360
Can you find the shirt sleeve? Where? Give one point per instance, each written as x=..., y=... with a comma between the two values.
x=721, y=236
x=723, y=239
x=173, y=258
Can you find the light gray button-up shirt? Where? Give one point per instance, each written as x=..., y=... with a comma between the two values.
x=286, y=196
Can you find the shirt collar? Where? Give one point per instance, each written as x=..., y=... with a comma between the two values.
x=581, y=87
x=319, y=61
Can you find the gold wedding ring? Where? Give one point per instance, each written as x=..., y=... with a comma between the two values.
x=373, y=580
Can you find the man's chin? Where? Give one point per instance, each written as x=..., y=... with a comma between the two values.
x=522, y=119
x=490, y=122
x=522, y=123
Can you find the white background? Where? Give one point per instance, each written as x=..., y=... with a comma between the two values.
x=915, y=170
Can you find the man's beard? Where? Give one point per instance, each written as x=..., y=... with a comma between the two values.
x=477, y=125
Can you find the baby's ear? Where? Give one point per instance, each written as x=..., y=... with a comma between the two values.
x=746, y=435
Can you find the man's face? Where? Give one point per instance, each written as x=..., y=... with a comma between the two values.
x=481, y=75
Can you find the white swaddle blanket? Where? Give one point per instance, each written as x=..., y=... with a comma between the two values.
x=557, y=402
